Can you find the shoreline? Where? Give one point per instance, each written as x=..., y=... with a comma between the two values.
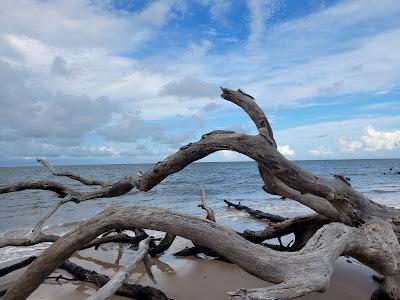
x=192, y=277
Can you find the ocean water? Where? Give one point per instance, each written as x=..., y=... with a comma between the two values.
x=236, y=181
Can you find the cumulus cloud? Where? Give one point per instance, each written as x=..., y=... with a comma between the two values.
x=190, y=86
x=380, y=140
x=70, y=92
x=286, y=150
x=372, y=140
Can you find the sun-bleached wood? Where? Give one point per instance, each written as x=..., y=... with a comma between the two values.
x=109, y=289
x=373, y=243
x=346, y=221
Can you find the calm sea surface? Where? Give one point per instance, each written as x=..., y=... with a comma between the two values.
x=238, y=181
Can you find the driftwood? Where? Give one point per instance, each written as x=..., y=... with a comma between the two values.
x=345, y=221
x=255, y=213
x=111, y=287
x=134, y=291
x=21, y=264
x=197, y=249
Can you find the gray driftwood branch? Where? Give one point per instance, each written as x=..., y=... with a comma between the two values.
x=109, y=289
x=345, y=222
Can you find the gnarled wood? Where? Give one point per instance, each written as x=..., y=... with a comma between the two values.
x=346, y=222
x=372, y=243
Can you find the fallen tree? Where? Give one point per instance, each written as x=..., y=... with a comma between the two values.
x=345, y=221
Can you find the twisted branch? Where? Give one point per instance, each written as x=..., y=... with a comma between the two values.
x=372, y=243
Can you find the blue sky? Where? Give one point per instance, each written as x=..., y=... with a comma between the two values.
x=131, y=81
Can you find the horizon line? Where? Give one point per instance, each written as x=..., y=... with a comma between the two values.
x=152, y=163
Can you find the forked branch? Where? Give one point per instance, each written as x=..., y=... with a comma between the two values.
x=109, y=289
x=367, y=230
x=71, y=175
x=373, y=244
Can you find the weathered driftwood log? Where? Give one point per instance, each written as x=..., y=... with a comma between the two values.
x=303, y=228
x=112, y=286
x=134, y=291
x=197, y=249
x=19, y=265
x=43, y=238
x=255, y=213
x=203, y=205
x=354, y=224
x=295, y=274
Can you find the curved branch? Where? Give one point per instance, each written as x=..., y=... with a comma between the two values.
x=163, y=246
x=39, y=225
x=313, y=262
x=46, y=185
x=249, y=105
x=286, y=227
x=46, y=238
x=111, y=287
x=331, y=198
x=71, y=175
x=203, y=205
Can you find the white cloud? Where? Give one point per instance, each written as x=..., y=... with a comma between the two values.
x=371, y=66
x=260, y=12
x=51, y=66
x=228, y=155
x=381, y=106
x=352, y=138
x=217, y=8
x=321, y=151
x=349, y=146
x=375, y=140
x=197, y=50
x=286, y=150
x=61, y=21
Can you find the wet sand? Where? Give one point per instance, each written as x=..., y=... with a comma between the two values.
x=193, y=278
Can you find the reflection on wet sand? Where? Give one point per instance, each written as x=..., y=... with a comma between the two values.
x=193, y=278
x=122, y=254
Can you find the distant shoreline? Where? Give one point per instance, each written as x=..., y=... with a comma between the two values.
x=196, y=162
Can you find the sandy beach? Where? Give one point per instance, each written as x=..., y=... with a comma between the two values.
x=192, y=278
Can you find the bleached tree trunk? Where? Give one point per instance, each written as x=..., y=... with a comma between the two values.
x=345, y=222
